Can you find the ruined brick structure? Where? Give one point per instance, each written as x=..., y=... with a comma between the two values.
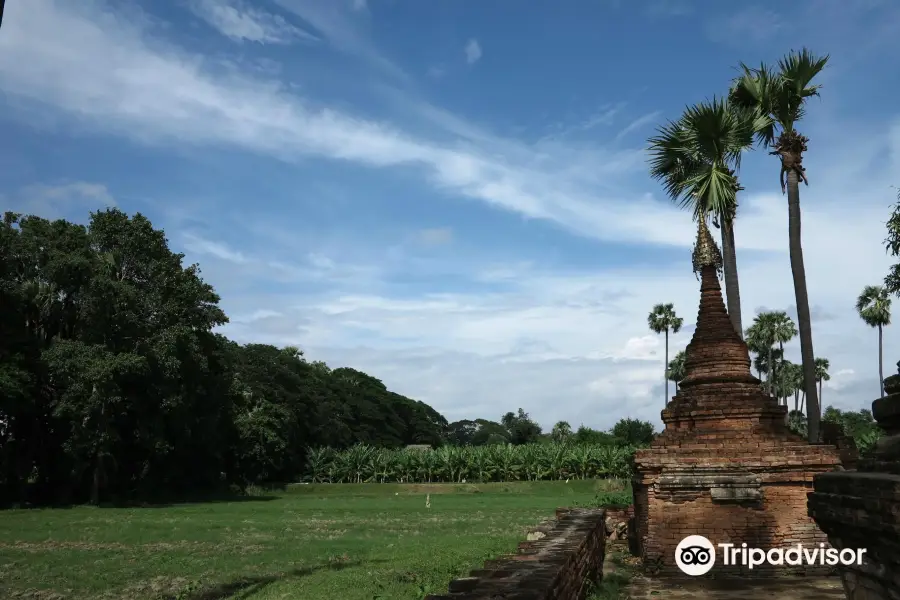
x=559, y=562
x=726, y=466
x=861, y=509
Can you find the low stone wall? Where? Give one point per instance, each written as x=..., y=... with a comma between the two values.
x=559, y=561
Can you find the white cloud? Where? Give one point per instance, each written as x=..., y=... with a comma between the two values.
x=639, y=123
x=125, y=83
x=239, y=21
x=203, y=246
x=473, y=51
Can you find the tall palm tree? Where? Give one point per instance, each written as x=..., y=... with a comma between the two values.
x=782, y=95
x=697, y=158
x=662, y=319
x=874, y=308
x=676, y=371
x=783, y=330
x=822, y=366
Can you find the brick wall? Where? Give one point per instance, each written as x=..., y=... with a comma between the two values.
x=561, y=565
x=778, y=520
x=860, y=510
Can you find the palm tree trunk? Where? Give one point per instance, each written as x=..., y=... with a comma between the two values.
x=881, y=359
x=804, y=321
x=732, y=288
x=820, y=390
x=666, y=370
x=770, y=376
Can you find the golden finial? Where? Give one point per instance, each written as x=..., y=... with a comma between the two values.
x=706, y=253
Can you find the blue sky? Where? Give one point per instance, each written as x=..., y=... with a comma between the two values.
x=453, y=196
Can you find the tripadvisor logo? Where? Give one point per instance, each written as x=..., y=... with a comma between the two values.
x=695, y=555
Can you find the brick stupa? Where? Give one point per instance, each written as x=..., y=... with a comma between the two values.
x=726, y=466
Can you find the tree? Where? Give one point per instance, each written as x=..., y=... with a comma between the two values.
x=782, y=96
x=697, y=158
x=676, y=371
x=782, y=330
x=522, y=429
x=822, y=366
x=633, y=432
x=561, y=432
x=663, y=319
x=874, y=308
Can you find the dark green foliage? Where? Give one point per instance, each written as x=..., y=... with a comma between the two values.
x=113, y=385
x=633, y=432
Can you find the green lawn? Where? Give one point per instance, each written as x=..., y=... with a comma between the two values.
x=315, y=542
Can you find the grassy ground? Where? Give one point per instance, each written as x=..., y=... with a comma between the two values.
x=316, y=542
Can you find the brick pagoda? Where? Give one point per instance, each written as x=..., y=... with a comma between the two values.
x=726, y=466
x=861, y=508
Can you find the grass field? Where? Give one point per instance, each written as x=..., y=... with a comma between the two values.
x=315, y=542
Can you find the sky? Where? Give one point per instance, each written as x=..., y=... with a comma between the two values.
x=453, y=196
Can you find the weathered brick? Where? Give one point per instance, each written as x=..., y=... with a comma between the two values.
x=557, y=567
x=726, y=466
x=861, y=509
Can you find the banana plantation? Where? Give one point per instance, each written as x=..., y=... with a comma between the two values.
x=475, y=464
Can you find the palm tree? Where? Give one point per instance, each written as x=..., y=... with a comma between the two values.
x=782, y=96
x=822, y=366
x=697, y=158
x=676, y=371
x=761, y=339
x=561, y=431
x=874, y=307
x=782, y=330
x=663, y=319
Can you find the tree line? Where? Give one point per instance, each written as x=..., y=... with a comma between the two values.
x=697, y=158
x=114, y=384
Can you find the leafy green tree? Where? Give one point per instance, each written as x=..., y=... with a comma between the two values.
x=676, y=371
x=521, y=428
x=633, y=432
x=697, y=158
x=662, y=319
x=874, y=308
x=781, y=95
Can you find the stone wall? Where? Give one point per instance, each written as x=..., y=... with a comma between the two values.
x=559, y=561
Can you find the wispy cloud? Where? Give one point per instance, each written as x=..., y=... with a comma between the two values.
x=340, y=28
x=751, y=23
x=220, y=250
x=639, y=123
x=240, y=21
x=472, y=51
x=174, y=100
x=436, y=236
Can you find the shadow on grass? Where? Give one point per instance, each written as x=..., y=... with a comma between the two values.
x=245, y=587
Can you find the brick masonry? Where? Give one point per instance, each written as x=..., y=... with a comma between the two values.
x=860, y=509
x=726, y=466
x=561, y=565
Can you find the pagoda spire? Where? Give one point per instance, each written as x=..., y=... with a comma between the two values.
x=716, y=353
